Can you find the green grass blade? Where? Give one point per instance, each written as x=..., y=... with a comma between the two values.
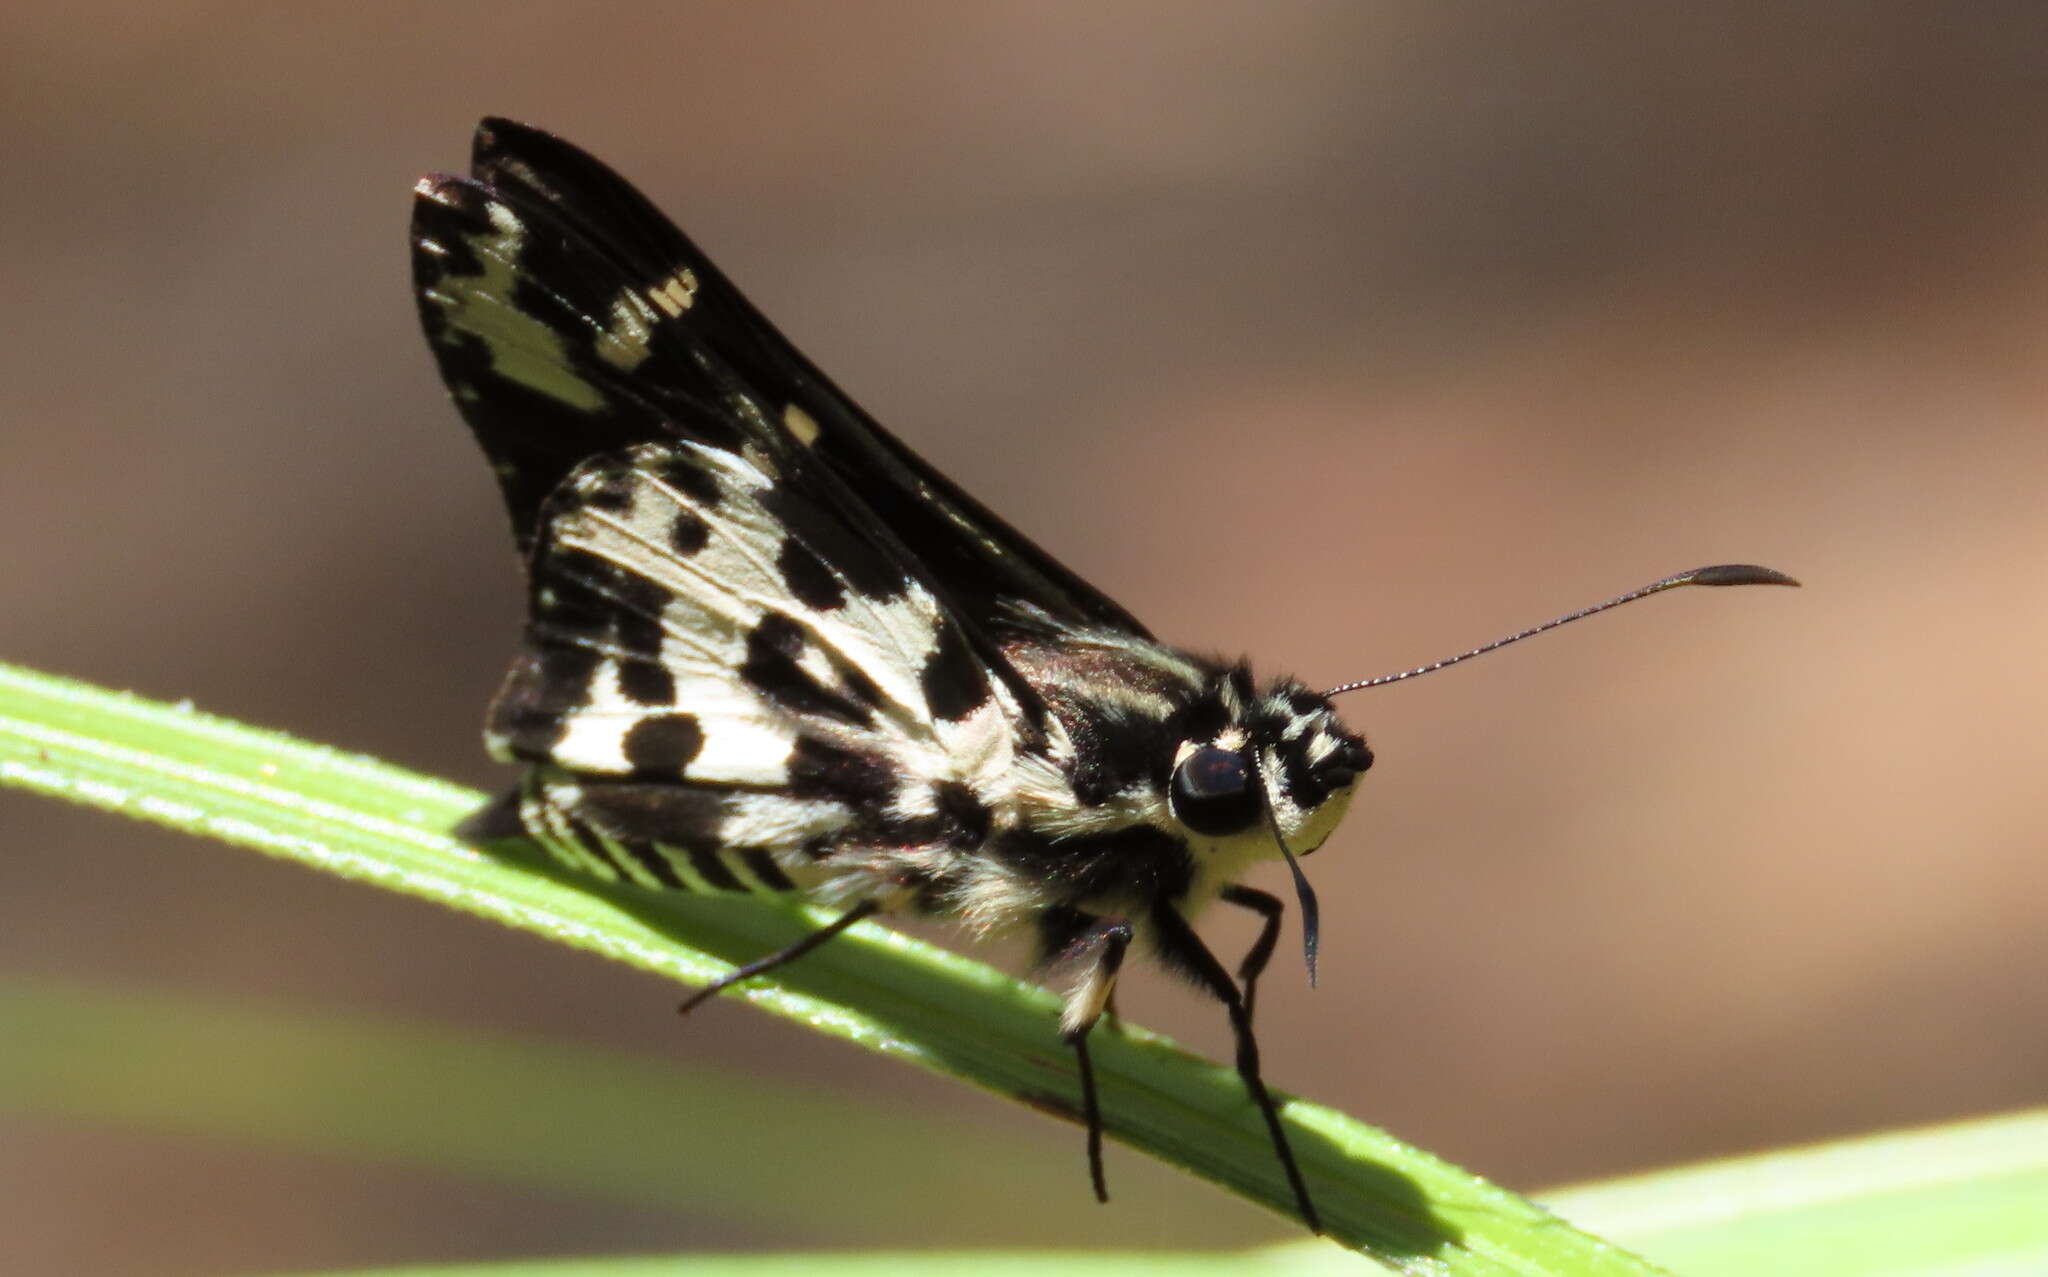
x=1963, y=1200
x=368, y=821
x=557, y=1117
x=1277, y=1261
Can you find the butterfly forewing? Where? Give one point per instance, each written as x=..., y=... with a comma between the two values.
x=547, y=343
x=654, y=342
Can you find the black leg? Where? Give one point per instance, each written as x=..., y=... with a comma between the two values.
x=1261, y=952
x=1091, y=1112
x=1184, y=951
x=780, y=956
x=1101, y=944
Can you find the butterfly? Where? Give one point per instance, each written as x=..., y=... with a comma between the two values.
x=770, y=650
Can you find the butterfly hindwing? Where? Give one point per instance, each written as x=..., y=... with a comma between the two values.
x=667, y=580
x=704, y=670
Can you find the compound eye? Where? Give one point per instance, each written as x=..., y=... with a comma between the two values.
x=1214, y=792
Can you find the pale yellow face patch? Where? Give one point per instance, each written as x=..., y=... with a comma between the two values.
x=1307, y=831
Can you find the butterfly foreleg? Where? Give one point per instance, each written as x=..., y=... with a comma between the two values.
x=1098, y=949
x=1270, y=908
x=780, y=957
x=1183, y=950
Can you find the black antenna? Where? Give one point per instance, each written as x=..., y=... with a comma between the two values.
x=1719, y=574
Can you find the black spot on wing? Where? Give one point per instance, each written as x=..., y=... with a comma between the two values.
x=637, y=622
x=864, y=689
x=601, y=598
x=953, y=680
x=543, y=691
x=681, y=471
x=810, y=582
x=662, y=745
x=647, y=683
x=583, y=605
x=869, y=571
x=863, y=781
x=584, y=598
x=773, y=648
x=688, y=533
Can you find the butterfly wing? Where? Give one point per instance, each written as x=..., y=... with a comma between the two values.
x=718, y=696
x=570, y=317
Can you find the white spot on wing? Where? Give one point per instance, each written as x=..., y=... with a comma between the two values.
x=675, y=294
x=623, y=343
x=801, y=425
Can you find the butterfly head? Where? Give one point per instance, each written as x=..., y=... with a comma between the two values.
x=1268, y=771
x=1260, y=775
x=1311, y=764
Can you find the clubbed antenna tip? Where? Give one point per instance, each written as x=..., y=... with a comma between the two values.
x=1735, y=574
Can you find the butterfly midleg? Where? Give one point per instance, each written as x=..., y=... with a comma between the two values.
x=1269, y=907
x=1101, y=945
x=1184, y=951
x=862, y=910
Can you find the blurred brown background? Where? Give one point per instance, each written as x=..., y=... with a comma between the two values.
x=1346, y=335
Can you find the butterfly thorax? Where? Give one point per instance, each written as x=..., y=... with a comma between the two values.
x=1164, y=776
